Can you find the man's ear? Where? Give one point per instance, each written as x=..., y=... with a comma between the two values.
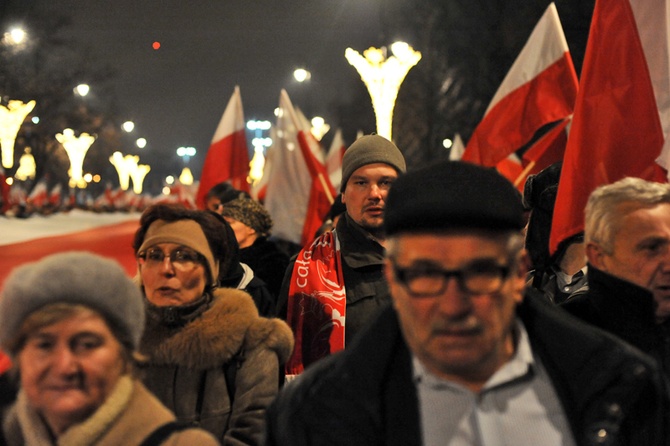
x=595, y=255
x=520, y=275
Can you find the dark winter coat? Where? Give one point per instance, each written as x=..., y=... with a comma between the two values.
x=625, y=310
x=612, y=394
x=189, y=368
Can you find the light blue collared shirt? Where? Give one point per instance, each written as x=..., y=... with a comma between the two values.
x=517, y=406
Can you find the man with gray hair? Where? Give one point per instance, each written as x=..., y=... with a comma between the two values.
x=467, y=355
x=627, y=236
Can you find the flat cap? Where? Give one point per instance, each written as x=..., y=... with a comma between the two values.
x=452, y=194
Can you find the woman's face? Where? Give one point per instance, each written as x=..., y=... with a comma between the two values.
x=245, y=235
x=69, y=368
x=172, y=274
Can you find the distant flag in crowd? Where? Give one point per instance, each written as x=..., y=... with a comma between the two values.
x=299, y=193
x=510, y=167
x=622, y=110
x=56, y=195
x=38, y=196
x=228, y=155
x=540, y=88
x=547, y=150
x=334, y=160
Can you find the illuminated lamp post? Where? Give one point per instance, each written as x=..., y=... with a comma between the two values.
x=319, y=127
x=76, y=148
x=259, y=143
x=27, y=166
x=383, y=77
x=138, y=174
x=11, y=118
x=124, y=166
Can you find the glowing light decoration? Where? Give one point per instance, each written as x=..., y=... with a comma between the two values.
x=319, y=127
x=76, y=148
x=383, y=77
x=138, y=174
x=11, y=118
x=124, y=165
x=27, y=166
x=186, y=177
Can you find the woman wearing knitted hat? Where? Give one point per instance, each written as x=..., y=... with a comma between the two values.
x=72, y=323
x=211, y=358
x=252, y=224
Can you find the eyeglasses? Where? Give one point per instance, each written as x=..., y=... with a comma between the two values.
x=479, y=277
x=181, y=258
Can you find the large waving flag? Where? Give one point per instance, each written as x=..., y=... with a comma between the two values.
x=622, y=110
x=299, y=193
x=228, y=156
x=540, y=88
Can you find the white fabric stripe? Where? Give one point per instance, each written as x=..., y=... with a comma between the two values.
x=233, y=117
x=545, y=46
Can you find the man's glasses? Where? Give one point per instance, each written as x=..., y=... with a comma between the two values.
x=479, y=277
x=182, y=258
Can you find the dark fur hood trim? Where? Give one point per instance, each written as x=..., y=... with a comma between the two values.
x=232, y=322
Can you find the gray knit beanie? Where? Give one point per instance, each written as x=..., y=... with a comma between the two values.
x=370, y=149
x=77, y=278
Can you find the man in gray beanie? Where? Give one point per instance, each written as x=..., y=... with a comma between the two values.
x=466, y=355
x=353, y=253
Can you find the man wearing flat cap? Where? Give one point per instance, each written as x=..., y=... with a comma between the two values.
x=466, y=355
x=335, y=286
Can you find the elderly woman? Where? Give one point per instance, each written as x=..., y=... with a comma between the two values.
x=211, y=358
x=72, y=323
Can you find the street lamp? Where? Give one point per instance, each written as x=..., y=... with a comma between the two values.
x=137, y=174
x=123, y=165
x=82, y=89
x=76, y=148
x=302, y=75
x=128, y=126
x=11, y=118
x=260, y=144
x=383, y=77
x=186, y=153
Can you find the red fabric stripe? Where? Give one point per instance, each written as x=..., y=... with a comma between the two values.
x=513, y=121
x=616, y=129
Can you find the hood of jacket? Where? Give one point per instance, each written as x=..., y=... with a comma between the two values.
x=229, y=325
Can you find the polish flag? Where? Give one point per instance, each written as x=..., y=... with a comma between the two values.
x=228, y=156
x=38, y=196
x=56, y=195
x=299, y=193
x=334, y=160
x=457, y=148
x=622, y=113
x=540, y=88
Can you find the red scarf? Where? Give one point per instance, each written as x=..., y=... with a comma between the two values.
x=316, y=303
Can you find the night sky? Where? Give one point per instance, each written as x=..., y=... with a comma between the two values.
x=176, y=94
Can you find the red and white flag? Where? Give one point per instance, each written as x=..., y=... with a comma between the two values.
x=38, y=197
x=228, y=156
x=622, y=110
x=540, y=88
x=299, y=193
x=334, y=160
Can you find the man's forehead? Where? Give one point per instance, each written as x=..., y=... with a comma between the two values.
x=451, y=245
x=375, y=169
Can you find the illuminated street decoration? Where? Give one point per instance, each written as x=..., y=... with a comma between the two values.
x=76, y=148
x=11, y=118
x=26, y=169
x=186, y=177
x=319, y=127
x=138, y=174
x=124, y=165
x=383, y=77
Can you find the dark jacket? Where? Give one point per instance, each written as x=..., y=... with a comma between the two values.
x=365, y=395
x=362, y=269
x=625, y=310
x=268, y=263
x=188, y=367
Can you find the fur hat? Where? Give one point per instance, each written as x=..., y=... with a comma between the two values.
x=184, y=232
x=370, y=149
x=251, y=213
x=73, y=277
x=452, y=194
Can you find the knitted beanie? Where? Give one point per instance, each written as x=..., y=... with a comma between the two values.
x=184, y=232
x=370, y=149
x=452, y=194
x=77, y=278
x=251, y=213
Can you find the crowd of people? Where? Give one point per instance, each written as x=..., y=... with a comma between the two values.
x=428, y=310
